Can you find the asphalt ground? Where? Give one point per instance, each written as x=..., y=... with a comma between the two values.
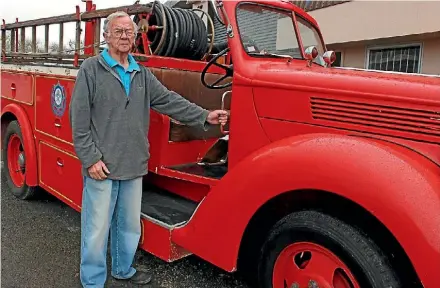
x=40, y=247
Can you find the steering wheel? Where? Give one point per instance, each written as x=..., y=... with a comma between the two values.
x=227, y=68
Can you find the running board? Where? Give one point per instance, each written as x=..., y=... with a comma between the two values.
x=162, y=211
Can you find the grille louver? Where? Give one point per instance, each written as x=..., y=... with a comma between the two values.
x=380, y=116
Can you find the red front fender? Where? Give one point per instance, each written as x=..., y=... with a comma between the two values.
x=28, y=142
x=397, y=186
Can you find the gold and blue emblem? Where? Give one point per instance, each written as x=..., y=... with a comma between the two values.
x=58, y=100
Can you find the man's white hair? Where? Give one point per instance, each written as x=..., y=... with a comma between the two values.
x=114, y=15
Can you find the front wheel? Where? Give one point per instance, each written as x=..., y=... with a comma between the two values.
x=14, y=157
x=314, y=250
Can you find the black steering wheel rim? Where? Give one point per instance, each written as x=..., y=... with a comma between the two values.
x=228, y=69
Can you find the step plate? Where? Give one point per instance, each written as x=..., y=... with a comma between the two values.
x=166, y=207
x=214, y=171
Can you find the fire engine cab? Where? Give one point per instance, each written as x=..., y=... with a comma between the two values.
x=323, y=176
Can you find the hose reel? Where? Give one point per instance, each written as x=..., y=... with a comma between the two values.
x=174, y=32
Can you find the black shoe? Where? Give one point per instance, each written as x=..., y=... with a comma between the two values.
x=139, y=278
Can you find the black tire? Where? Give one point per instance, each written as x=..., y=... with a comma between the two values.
x=360, y=254
x=24, y=192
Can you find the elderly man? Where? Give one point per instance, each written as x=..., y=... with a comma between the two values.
x=109, y=114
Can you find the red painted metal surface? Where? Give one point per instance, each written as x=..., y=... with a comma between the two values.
x=188, y=177
x=21, y=113
x=324, y=97
x=166, y=153
x=46, y=121
x=187, y=189
x=325, y=162
x=156, y=240
x=55, y=166
x=372, y=138
x=307, y=264
x=277, y=130
x=89, y=33
x=243, y=124
x=17, y=86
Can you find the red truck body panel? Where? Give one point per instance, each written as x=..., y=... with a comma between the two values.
x=325, y=162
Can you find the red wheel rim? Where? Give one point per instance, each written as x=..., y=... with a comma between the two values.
x=16, y=164
x=310, y=265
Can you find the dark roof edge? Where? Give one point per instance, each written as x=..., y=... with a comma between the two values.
x=308, y=5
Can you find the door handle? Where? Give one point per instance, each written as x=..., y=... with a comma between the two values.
x=13, y=90
x=223, y=108
x=57, y=123
x=60, y=162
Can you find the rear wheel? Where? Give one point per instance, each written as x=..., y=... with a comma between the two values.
x=314, y=250
x=14, y=157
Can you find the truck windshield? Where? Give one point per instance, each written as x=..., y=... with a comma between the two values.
x=310, y=37
x=267, y=31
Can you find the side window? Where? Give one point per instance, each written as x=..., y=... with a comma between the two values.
x=267, y=30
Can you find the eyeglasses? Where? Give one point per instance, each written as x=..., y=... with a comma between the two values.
x=119, y=32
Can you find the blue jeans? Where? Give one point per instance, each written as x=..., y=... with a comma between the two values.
x=113, y=206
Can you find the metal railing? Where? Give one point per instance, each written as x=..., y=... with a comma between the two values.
x=92, y=17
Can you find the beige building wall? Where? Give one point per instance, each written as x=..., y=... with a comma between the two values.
x=355, y=54
x=353, y=27
x=361, y=20
x=352, y=56
x=431, y=56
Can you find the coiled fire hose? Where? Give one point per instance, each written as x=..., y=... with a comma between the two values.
x=175, y=32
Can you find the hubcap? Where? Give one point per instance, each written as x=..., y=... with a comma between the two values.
x=21, y=161
x=310, y=265
x=16, y=161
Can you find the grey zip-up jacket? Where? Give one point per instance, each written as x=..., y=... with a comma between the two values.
x=109, y=126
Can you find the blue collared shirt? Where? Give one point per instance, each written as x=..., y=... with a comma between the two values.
x=123, y=74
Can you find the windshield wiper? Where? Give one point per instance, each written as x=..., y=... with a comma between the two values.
x=272, y=55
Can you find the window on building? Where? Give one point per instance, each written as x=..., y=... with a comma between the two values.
x=338, y=61
x=398, y=59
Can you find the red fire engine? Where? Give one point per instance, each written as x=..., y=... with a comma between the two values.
x=323, y=177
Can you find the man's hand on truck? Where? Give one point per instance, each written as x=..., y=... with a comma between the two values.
x=98, y=171
x=217, y=117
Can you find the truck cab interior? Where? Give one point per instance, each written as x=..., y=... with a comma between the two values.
x=188, y=84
